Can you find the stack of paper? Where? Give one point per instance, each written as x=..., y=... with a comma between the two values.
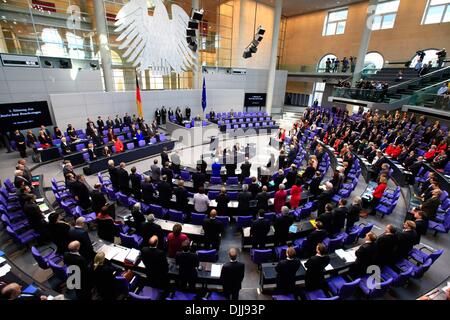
x=132, y=256
x=348, y=256
x=246, y=232
x=4, y=270
x=2, y=260
x=43, y=207
x=216, y=269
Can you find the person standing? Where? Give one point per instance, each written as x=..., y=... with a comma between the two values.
x=232, y=275
x=158, y=116
x=20, y=143
x=281, y=226
x=213, y=229
x=315, y=267
x=156, y=265
x=187, y=263
x=286, y=272
x=163, y=115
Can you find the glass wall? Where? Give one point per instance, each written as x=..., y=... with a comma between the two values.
x=66, y=28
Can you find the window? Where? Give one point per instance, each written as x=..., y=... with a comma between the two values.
x=319, y=88
x=430, y=55
x=385, y=15
x=335, y=22
x=437, y=11
x=373, y=61
x=322, y=67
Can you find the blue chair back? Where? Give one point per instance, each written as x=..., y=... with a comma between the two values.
x=175, y=215
x=212, y=195
x=59, y=271
x=207, y=255
x=261, y=256
x=420, y=271
x=39, y=258
x=348, y=289
x=197, y=218
x=243, y=221
x=224, y=219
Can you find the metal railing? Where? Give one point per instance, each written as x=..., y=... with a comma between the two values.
x=431, y=100
x=371, y=95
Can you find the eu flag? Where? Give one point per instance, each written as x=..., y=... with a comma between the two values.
x=204, y=96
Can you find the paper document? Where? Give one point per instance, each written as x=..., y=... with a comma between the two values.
x=216, y=269
x=329, y=267
x=40, y=200
x=246, y=232
x=313, y=223
x=2, y=260
x=43, y=207
x=132, y=256
x=293, y=229
x=4, y=270
x=121, y=254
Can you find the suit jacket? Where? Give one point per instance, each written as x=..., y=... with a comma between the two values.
x=243, y=202
x=181, y=195
x=312, y=240
x=80, y=190
x=365, y=256
x=165, y=193
x=213, y=228
x=339, y=215
x=198, y=179
x=135, y=182
x=386, y=249
x=245, y=169
x=156, y=266
x=324, y=198
x=167, y=172
x=430, y=207
x=254, y=189
x=281, y=226
x=262, y=199
x=222, y=204
x=98, y=200
x=315, y=267
x=81, y=235
x=156, y=172
x=114, y=177
x=286, y=274
x=148, y=192
x=164, y=158
x=421, y=228
x=124, y=180
x=72, y=259
x=353, y=215
x=259, y=230
x=405, y=242
x=187, y=263
x=327, y=220
x=231, y=276
x=92, y=154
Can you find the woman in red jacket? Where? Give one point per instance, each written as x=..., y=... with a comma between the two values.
x=119, y=145
x=296, y=194
x=378, y=194
x=430, y=154
x=280, y=198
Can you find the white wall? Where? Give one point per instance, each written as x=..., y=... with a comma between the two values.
x=255, y=81
x=75, y=108
x=21, y=84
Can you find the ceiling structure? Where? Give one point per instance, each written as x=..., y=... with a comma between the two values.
x=296, y=7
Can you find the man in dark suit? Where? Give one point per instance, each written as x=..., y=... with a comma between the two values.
x=135, y=179
x=127, y=119
x=421, y=224
x=187, y=263
x=166, y=171
x=406, y=239
x=286, y=272
x=313, y=239
x=91, y=152
x=156, y=265
x=324, y=197
x=262, y=199
x=232, y=275
x=254, y=187
x=339, y=215
x=327, y=218
x=213, y=229
x=230, y=167
x=431, y=205
x=164, y=156
x=124, y=179
x=74, y=258
x=281, y=226
x=259, y=230
x=113, y=175
x=181, y=196
x=149, y=229
x=100, y=124
x=35, y=217
x=156, y=170
x=365, y=255
x=315, y=267
x=386, y=246
x=148, y=191
x=98, y=198
x=198, y=179
x=81, y=192
x=165, y=192
x=78, y=233
x=245, y=169
x=244, y=199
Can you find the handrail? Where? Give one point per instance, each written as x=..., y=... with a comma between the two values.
x=408, y=99
x=428, y=75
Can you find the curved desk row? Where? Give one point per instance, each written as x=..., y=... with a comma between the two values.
x=444, y=180
x=339, y=261
x=101, y=164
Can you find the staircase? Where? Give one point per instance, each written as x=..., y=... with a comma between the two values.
x=290, y=116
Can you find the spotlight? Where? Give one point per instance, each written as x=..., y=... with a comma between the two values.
x=193, y=25
x=255, y=43
x=197, y=15
x=93, y=65
x=193, y=46
x=64, y=64
x=261, y=30
x=191, y=33
x=190, y=39
x=259, y=38
x=247, y=54
x=47, y=63
x=253, y=49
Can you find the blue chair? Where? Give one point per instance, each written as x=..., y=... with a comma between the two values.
x=334, y=244
x=243, y=221
x=79, y=147
x=224, y=219
x=232, y=181
x=215, y=180
x=340, y=287
x=185, y=175
x=398, y=279
x=317, y=295
x=22, y=238
x=43, y=260
x=130, y=146
x=130, y=241
x=175, y=215
x=123, y=199
x=418, y=270
x=214, y=296
x=60, y=272
x=363, y=229
x=212, y=195
x=208, y=255
x=420, y=256
x=443, y=227
x=157, y=211
x=351, y=237
x=376, y=290
x=197, y=218
x=233, y=195
x=259, y=256
x=141, y=143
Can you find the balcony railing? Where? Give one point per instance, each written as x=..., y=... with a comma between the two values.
x=360, y=94
x=430, y=100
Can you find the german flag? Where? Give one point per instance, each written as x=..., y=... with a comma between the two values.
x=138, y=98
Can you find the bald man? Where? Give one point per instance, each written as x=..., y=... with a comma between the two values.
x=213, y=229
x=13, y=291
x=79, y=234
x=156, y=265
x=74, y=258
x=232, y=275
